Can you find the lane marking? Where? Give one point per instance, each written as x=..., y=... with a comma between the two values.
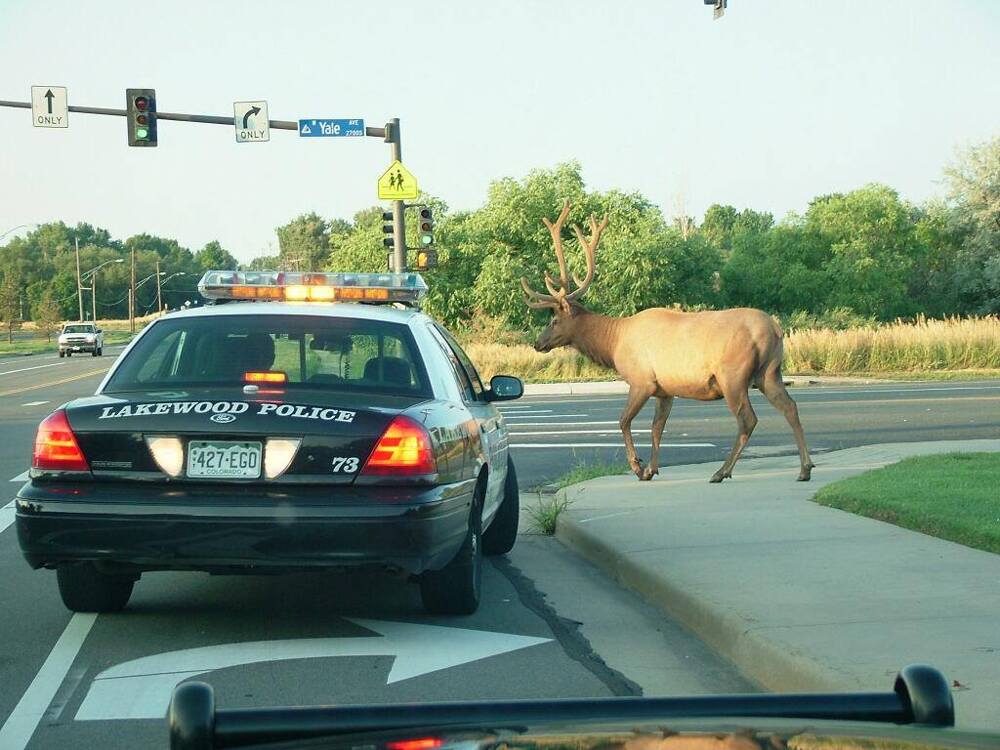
x=618, y=445
x=23, y=720
x=6, y=516
x=576, y=432
x=70, y=379
x=36, y=367
x=35, y=403
x=141, y=688
x=542, y=416
x=562, y=424
x=22, y=477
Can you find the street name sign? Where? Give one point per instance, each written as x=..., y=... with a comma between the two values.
x=329, y=128
x=397, y=183
x=49, y=108
x=251, y=122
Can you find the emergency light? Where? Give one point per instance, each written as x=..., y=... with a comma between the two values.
x=294, y=286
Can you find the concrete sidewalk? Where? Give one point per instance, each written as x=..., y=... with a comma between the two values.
x=798, y=596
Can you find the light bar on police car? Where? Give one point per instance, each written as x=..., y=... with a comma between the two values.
x=312, y=287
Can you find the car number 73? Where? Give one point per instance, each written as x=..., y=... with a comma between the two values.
x=347, y=465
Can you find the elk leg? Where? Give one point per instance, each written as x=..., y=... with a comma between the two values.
x=637, y=396
x=774, y=389
x=746, y=420
x=663, y=404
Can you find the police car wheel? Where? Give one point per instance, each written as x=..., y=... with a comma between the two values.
x=499, y=538
x=455, y=589
x=84, y=588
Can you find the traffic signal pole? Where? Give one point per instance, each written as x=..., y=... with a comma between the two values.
x=398, y=207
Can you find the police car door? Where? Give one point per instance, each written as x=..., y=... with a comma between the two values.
x=492, y=430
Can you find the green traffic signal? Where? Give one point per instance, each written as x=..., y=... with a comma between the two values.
x=141, y=133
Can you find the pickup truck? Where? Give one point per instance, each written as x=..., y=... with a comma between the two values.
x=81, y=337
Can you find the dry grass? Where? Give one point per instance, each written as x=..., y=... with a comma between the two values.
x=925, y=346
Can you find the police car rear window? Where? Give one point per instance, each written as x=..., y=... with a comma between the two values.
x=312, y=352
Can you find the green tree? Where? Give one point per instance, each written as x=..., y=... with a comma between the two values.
x=47, y=314
x=304, y=243
x=10, y=302
x=974, y=196
x=214, y=257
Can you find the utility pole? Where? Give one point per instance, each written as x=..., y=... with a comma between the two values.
x=79, y=284
x=398, y=207
x=131, y=297
x=159, y=296
x=93, y=295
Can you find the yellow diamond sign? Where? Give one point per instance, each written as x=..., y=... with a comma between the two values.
x=397, y=184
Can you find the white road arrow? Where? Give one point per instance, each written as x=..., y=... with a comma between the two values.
x=141, y=688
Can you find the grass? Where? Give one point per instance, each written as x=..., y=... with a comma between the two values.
x=40, y=345
x=545, y=515
x=952, y=496
x=924, y=349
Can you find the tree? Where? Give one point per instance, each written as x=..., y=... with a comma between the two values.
x=974, y=195
x=47, y=314
x=304, y=243
x=213, y=257
x=10, y=302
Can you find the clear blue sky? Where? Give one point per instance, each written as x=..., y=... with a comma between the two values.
x=775, y=103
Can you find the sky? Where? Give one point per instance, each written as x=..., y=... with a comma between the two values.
x=775, y=103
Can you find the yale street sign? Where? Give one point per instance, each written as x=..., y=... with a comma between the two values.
x=327, y=128
x=397, y=184
x=48, y=107
x=250, y=120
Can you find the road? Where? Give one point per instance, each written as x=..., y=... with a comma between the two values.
x=550, y=626
x=552, y=434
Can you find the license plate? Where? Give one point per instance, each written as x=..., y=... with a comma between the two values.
x=221, y=459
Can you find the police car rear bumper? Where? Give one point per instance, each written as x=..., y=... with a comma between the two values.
x=122, y=527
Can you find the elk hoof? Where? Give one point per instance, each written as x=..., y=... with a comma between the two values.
x=717, y=477
x=805, y=475
x=646, y=474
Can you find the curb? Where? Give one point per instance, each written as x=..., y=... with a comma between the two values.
x=770, y=665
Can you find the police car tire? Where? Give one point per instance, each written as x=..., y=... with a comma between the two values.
x=499, y=538
x=455, y=589
x=84, y=588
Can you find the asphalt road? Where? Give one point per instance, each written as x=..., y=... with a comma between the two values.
x=550, y=625
x=550, y=435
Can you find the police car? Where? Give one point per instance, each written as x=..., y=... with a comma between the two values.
x=268, y=431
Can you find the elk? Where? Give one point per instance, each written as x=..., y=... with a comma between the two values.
x=668, y=354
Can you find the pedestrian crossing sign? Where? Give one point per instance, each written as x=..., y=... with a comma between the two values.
x=397, y=184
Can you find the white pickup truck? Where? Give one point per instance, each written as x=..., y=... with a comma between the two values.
x=81, y=337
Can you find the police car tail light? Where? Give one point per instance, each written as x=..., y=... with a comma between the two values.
x=265, y=376
x=312, y=287
x=56, y=447
x=168, y=452
x=420, y=743
x=278, y=455
x=403, y=450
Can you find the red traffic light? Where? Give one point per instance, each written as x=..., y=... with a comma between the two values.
x=141, y=103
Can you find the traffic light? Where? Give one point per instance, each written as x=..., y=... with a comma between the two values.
x=426, y=226
x=141, y=116
x=427, y=257
x=389, y=228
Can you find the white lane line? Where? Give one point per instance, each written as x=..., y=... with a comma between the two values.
x=6, y=516
x=22, y=477
x=502, y=407
x=25, y=369
x=575, y=432
x=544, y=416
x=35, y=403
x=563, y=424
x=527, y=412
x=21, y=724
x=609, y=445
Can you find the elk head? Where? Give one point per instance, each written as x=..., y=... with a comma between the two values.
x=560, y=299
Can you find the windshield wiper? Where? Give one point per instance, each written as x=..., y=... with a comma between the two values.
x=920, y=695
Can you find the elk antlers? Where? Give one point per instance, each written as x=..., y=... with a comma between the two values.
x=538, y=300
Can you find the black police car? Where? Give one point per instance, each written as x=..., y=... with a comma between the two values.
x=278, y=435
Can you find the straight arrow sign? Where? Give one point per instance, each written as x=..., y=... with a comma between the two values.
x=141, y=688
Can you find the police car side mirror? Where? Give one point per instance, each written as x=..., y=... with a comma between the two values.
x=504, y=388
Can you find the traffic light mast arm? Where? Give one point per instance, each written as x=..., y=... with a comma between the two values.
x=181, y=117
